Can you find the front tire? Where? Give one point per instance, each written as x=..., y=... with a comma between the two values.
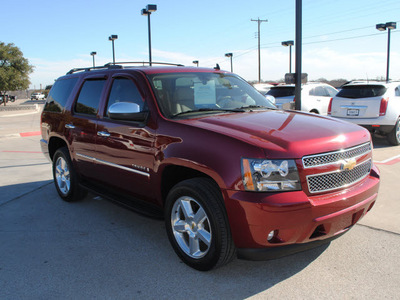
x=197, y=224
x=65, y=178
x=394, y=136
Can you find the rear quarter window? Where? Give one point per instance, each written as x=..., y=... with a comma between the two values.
x=59, y=94
x=362, y=91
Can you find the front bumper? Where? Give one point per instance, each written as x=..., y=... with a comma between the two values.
x=300, y=221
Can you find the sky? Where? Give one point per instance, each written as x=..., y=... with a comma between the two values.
x=339, y=37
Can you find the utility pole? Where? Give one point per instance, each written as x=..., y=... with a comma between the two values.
x=259, y=55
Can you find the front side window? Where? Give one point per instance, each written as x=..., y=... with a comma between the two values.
x=89, y=97
x=124, y=90
x=204, y=92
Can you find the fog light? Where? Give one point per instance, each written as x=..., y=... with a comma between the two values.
x=271, y=235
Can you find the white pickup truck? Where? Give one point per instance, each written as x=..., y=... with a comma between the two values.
x=37, y=96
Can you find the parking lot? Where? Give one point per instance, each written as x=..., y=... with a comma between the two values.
x=51, y=249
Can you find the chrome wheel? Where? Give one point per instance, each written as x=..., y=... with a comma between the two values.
x=191, y=227
x=62, y=176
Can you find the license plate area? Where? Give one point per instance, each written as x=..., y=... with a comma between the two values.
x=353, y=112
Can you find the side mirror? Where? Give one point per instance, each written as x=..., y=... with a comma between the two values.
x=126, y=111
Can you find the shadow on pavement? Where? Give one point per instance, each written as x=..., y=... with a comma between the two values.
x=95, y=249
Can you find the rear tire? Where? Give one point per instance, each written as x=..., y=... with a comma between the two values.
x=197, y=224
x=65, y=178
x=394, y=136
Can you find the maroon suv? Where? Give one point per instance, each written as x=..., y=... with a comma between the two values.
x=230, y=173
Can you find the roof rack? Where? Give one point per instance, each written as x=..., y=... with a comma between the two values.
x=118, y=65
x=143, y=63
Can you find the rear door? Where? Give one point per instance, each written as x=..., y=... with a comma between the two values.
x=358, y=101
x=82, y=125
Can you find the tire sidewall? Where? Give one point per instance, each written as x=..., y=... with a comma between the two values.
x=71, y=195
x=208, y=261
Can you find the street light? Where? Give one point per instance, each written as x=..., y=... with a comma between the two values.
x=147, y=12
x=93, y=54
x=383, y=27
x=230, y=55
x=289, y=44
x=196, y=62
x=112, y=38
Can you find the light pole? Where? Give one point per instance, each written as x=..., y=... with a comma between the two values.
x=230, y=55
x=112, y=38
x=383, y=27
x=289, y=44
x=147, y=12
x=196, y=62
x=93, y=54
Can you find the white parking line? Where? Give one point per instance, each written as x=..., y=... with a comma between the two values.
x=389, y=161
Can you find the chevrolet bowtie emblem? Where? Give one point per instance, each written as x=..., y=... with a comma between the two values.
x=348, y=164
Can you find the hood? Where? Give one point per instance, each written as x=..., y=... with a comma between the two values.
x=285, y=134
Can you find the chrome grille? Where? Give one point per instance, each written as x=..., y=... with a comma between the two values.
x=340, y=179
x=334, y=157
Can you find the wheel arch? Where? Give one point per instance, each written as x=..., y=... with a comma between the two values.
x=173, y=174
x=54, y=144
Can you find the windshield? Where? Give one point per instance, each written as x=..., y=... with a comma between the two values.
x=361, y=91
x=282, y=91
x=181, y=93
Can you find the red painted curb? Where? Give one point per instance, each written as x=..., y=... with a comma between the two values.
x=33, y=133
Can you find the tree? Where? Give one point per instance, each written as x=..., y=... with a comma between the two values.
x=14, y=69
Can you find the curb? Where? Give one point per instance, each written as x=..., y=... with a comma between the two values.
x=19, y=107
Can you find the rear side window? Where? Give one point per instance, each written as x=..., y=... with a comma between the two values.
x=361, y=91
x=281, y=91
x=89, y=97
x=59, y=94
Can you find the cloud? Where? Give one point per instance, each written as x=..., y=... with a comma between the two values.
x=317, y=62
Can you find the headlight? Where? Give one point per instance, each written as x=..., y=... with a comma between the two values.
x=263, y=175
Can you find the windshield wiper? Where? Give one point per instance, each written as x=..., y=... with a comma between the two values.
x=256, y=106
x=208, y=110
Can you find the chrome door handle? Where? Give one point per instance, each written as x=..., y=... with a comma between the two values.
x=103, y=133
x=69, y=126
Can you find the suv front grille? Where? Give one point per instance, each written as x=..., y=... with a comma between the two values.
x=339, y=179
x=334, y=157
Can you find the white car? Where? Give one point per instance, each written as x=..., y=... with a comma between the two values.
x=315, y=96
x=373, y=105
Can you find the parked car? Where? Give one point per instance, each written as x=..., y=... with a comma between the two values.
x=373, y=105
x=37, y=96
x=315, y=97
x=229, y=172
x=263, y=88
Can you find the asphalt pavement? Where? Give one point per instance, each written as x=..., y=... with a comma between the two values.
x=93, y=249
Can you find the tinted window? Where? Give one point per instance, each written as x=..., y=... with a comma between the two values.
x=331, y=91
x=59, y=94
x=319, y=91
x=361, y=91
x=89, y=97
x=397, y=91
x=124, y=90
x=281, y=91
